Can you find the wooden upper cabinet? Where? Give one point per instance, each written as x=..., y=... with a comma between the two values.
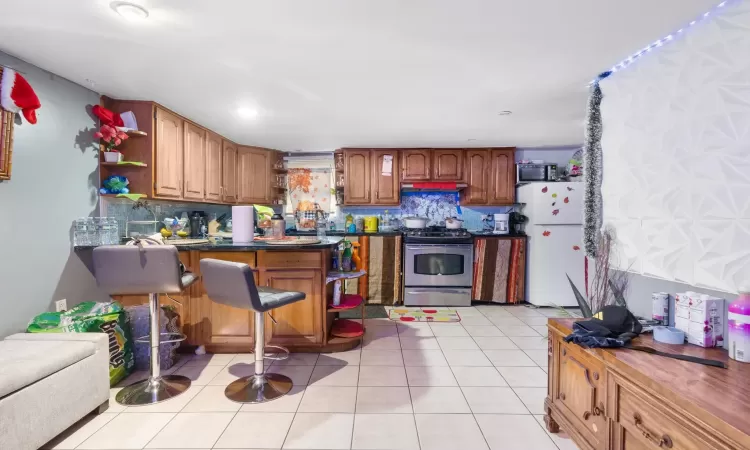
x=357, y=173
x=386, y=189
x=229, y=173
x=194, y=180
x=502, y=181
x=169, y=154
x=447, y=164
x=415, y=165
x=477, y=177
x=253, y=175
x=214, y=156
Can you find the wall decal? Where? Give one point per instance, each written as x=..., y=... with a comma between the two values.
x=544, y=190
x=576, y=248
x=546, y=233
x=555, y=212
x=566, y=200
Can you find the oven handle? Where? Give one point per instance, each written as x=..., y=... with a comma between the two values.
x=440, y=291
x=421, y=247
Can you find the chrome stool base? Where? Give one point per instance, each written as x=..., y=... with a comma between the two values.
x=259, y=388
x=153, y=390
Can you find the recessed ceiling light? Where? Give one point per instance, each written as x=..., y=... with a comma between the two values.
x=247, y=113
x=130, y=11
x=505, y=113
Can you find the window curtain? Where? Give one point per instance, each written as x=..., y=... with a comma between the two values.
x=308, y=187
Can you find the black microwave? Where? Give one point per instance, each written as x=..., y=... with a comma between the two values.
x=526, y=173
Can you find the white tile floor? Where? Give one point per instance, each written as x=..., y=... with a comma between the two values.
x=478, y=384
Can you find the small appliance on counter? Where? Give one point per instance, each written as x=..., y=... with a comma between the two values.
x=198, y=223
x=502, y=223
x=517, y=222
x=531, y=173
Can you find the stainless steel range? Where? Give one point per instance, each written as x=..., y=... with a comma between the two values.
x=438, y=267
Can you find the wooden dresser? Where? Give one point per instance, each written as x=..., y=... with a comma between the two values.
x=626, y=399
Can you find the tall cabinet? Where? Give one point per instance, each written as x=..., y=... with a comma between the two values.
x=168, y=155
x=253, y=175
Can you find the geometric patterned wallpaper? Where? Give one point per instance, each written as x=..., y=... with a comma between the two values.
x=676, y=156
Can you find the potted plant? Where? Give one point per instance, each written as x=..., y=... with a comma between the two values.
x=112, y=137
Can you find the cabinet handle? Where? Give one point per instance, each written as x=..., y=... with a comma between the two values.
x=599, y=409
x=562, y=395
x=664, y=441
x=377, y=195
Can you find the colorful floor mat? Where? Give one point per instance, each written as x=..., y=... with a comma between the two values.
x=424, y=315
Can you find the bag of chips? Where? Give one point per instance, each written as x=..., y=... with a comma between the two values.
x=92, y=317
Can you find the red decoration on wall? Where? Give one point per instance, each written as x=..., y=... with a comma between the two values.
x=554, y=213
x=576, y=248
x=544, y=190
x=566, y=200
x=546, y=233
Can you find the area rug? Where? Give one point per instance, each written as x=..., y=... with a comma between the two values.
x=424, y=315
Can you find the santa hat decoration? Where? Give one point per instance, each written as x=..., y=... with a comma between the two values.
x=17, y=95
x=107, y=117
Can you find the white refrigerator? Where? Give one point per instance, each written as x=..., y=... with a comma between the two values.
x=555, y=248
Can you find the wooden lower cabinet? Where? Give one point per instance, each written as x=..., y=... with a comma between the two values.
x=605, y=399
x=302, y=321
x=224, y=324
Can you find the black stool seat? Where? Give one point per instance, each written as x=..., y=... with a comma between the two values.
x=233, y=284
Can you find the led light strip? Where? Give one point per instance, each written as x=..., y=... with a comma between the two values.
x=628, y=61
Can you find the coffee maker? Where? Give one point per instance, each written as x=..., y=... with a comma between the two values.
x=517, y=222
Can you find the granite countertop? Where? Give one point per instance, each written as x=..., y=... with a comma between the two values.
x=343, y=233
x=489, y=234
x=247, y=247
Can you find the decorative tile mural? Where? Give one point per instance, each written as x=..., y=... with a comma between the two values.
x=676, y=145
x=436, y=206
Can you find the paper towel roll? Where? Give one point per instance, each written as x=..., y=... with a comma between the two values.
x=243, y=229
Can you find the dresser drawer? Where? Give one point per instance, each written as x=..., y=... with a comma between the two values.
x=656, y=425
x=287, y=260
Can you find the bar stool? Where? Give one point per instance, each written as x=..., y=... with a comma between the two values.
x=232, y=284
x=152, y=270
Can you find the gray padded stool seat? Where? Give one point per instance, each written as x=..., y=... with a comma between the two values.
x=152, y=270
x=232, y=284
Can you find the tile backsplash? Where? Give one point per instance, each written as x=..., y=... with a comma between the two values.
x=123, y=210
x=436, y=206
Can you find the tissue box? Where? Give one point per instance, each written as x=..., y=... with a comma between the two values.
x=706, y=321
x=701, y=317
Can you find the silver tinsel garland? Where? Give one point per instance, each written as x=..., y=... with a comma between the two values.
x=592, y=176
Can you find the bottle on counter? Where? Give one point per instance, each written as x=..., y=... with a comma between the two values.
x=356, y=260
x=346, y=257
x=360, y=228
x=278, y=225
x=349, y=222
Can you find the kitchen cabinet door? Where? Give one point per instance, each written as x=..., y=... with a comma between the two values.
x=194, y=178
x=415, y=165
x=300, y=322
x=477, y=177
x=228, y=325
x=385, y=187
x=253, y=175
x=169, y=155
x=502, y=181
x=214, y=158
x=447, y=164
x=229, y=173
x=357, y=172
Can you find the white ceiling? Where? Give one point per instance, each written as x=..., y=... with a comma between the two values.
x=332, y=73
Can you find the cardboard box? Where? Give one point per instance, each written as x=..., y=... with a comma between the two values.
x=701, y=317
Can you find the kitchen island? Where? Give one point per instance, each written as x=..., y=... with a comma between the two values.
x=301, y=326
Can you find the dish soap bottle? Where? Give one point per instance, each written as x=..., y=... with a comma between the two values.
x=355, y=256
x=349, y=221
x=346, y=257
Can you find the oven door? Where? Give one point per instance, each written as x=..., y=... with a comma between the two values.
x=438, y=265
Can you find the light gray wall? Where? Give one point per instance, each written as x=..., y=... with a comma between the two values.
x=552, y=155
x=54, y=181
